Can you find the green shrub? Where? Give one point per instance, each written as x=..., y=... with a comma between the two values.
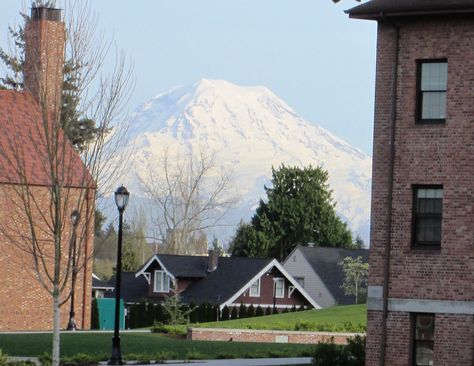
x=45, y=359
x=259, y=311
x=268, y=310
x=162, y=356
x=304, y=326
x=195, y=355
x=330, y=354
x=225, y=356
x=225, y=313
x=242, y=311
x=20, y=363
x=250, y=311
x=82, y=359
x=234, y=314
x=356, y=351
x=141, y=358
x=3, y=358
x=173, y=330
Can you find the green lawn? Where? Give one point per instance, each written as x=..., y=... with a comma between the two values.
x=338, y=318
x=144, y=344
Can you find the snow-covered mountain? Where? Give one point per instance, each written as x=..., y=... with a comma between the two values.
x=250, y=129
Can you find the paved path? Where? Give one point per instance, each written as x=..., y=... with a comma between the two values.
x=246, y=362
x=235, y=362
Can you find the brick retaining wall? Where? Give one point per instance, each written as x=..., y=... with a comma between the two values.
x=266, y=336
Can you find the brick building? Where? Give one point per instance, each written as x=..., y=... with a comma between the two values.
x=34, y=153
x=421, y=277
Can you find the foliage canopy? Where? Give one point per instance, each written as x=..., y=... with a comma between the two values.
x=299, y=209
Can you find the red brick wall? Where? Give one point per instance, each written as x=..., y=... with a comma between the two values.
x=44, y=58
x=453, y=339
x=24, y=303
x=424, y=154
x=266, y=336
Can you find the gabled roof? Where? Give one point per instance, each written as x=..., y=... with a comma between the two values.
x=132, y=290
x=23, y=144
x=325, y=263
x=98, y=284
x=231, y=275
x=230, y=279
x=377, y=9
x=184, y=266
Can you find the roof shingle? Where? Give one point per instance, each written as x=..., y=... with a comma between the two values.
x=24, y=154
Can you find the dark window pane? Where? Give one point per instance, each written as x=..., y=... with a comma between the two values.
x=428, y=215
x=424, y=339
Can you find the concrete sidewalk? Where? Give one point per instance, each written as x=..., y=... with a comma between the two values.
x=233, y=362
x=246, y=362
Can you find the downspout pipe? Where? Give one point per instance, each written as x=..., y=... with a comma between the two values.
x=386, y=269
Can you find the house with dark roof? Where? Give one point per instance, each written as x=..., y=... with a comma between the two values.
x=222, y=281
x=420, y=306
x=34, y=153
x=317, y=270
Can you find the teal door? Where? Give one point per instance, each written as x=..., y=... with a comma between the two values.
x=107, y=314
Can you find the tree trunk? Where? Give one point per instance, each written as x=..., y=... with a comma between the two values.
x=56, y=328
x=357, y=293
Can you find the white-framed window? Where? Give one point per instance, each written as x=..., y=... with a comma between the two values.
x=279, y=287
x=255, y=289
x=162, y=282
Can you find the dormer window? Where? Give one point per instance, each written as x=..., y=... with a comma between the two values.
x=162, y=282
x=255, y=289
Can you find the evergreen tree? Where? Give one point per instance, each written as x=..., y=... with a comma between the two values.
x=250, y=311
x=299, y=209
x=234, y=314
x=268, y=310
x=225, y=313
x=259, y=311
x=242, y=311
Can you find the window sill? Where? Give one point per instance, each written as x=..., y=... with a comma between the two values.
x=430, y=122
x=431, y=249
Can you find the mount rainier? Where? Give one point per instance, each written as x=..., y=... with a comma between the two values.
x=250, y=129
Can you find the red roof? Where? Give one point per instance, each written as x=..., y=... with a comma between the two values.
x=24, y=156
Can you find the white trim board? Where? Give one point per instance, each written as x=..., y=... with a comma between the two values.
x=147, y=264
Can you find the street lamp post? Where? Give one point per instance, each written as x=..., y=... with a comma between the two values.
x=75, y=217
x=121, y=200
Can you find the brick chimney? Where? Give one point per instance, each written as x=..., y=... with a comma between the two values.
x=45, y=37
x=212, y=261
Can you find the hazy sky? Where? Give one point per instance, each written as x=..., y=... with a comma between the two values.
x=308, y=52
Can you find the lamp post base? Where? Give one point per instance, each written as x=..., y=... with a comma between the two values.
x=71, y=325
x=116, y=358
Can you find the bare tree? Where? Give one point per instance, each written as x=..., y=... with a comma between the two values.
x=189, y=195
x=47, y=178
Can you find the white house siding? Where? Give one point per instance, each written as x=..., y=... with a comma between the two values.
x=297, y=265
